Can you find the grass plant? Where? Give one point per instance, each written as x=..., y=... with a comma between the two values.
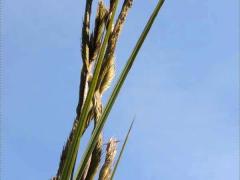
x=98, y=69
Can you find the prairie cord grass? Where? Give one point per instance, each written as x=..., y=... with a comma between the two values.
x=98, y=70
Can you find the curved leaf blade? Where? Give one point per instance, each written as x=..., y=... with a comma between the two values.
x=122, y=149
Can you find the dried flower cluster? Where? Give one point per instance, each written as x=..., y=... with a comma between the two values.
x=98, y=70
x=91, y=44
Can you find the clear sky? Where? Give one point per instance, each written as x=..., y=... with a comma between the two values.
x=183, y=89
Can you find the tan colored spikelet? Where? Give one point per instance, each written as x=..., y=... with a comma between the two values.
x=85, y=48
x=118, y=27
x=97, y=106
x=108, y=69
x=111, y=151
x=86, y=69
x=96, y=36
x=86, y=33
x=107, y=75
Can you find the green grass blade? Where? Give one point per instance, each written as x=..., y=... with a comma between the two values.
x=73, y=149
x=122, y=149
x=102, y=120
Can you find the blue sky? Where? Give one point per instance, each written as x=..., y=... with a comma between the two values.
x=183, y=89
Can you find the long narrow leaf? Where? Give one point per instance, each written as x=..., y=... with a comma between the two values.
x=73, y=150
x=102, y=120
x=121, y=152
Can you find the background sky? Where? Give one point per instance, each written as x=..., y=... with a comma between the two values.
x=183, y=89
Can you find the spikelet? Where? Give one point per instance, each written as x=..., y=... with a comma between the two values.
x=96, y=36
x=85, y=73
x=86, y=33
x=107, y=75
x=111, y=151
x=118, y=27
x=108, y=69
